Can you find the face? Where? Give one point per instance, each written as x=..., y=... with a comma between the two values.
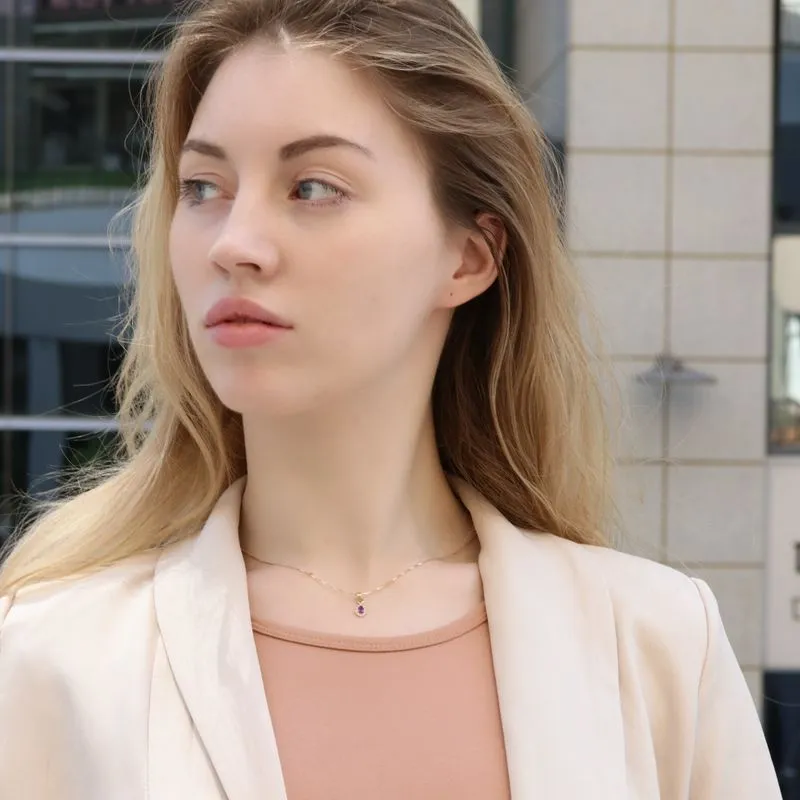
x=306, y=249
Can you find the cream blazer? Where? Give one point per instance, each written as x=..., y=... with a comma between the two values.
x=615, y=678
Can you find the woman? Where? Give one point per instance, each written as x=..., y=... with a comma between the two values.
x=355, y=545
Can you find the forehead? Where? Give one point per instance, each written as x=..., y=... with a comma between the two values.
x=271, y=95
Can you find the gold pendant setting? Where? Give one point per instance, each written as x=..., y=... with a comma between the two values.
x=360, y=610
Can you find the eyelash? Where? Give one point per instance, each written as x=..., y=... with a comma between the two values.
x=189, y=187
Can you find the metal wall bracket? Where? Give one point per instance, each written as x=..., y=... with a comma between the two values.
x=671, y=371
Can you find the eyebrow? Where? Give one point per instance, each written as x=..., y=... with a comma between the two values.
x=288, y=152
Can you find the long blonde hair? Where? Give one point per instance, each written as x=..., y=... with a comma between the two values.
x=518, y=411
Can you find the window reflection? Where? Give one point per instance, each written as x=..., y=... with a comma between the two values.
x=57, y=358
x=785, y=312
x=59, y=310
x=67, y=294
x=95, y=24
x=13, y=479
x=88, y=371
x=787, y=133
x=36, y=462
x=785, y=368
x=76, y=142
x=70, y=135
x=64, y=378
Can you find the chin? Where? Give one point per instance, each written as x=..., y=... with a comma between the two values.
x=254, y=398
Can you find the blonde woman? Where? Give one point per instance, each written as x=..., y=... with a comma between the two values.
x=355, y=545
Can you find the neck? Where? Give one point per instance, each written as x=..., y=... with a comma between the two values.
x=356, y=493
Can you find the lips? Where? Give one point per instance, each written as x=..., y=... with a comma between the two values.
x=241, y=311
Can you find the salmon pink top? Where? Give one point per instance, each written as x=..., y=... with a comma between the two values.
x=385, y=718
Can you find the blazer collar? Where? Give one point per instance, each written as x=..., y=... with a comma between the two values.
x=553, y=645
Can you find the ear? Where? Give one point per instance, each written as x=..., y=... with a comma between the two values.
x=482, y=252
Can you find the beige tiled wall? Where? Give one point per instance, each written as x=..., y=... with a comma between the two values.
x=471, y=8
x=720, y=100
x=620, y=22
x=618, y=99
x=669, y=135
x=719, y=307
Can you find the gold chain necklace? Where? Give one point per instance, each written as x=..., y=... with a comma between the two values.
x=359, y=597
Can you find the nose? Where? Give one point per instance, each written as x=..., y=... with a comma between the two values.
x=244, y=243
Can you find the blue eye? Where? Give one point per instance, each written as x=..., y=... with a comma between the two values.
x=196, y=191
x=317, y=191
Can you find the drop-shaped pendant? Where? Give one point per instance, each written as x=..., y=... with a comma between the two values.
x=360, y=610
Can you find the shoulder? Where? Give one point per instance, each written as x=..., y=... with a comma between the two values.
x=602, y=592
x=86, y=611
x=589, y=582
x=632, y=578
x=653, y=605
x=686, y=707
x=76, y=666
x=628, y=578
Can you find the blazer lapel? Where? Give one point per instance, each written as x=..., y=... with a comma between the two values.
x=203, y=613
x=553, y=639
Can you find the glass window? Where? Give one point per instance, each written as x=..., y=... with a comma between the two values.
x=58, y=358
x=787, y=130
x=784, y=409
x=75, y=145
x=539, y=34
x=36, y=461
x=13, y=479
x=70, y=135
x=93, y=24
x=54, y=377
x=88, y=370
x=59, y=309
x=497, y=29
x=785, y=345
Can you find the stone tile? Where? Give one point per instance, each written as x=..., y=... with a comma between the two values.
x=721, y=204
x=716, y=514
x=782, y=583
x=747, y=23
x=618, y=99
x=739, y=593
x=628, y=296
x=640, y=432
x=723, y=101
x=726, y=420
x=632, y=22
x=471, y=9
x=616, y=203
x=638, y=498
x=719, y=308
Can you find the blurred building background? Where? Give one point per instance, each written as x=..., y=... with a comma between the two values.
x=679, y=124
x=682, y=133
x=71, y=72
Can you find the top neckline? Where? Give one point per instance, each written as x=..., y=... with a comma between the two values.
x=374, y=644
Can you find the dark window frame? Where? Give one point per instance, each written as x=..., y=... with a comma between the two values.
x=498, y=30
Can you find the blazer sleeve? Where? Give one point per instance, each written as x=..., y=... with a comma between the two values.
x=731, y=758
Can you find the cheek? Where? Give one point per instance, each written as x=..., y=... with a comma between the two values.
x=380, y=283
x=185, y=249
